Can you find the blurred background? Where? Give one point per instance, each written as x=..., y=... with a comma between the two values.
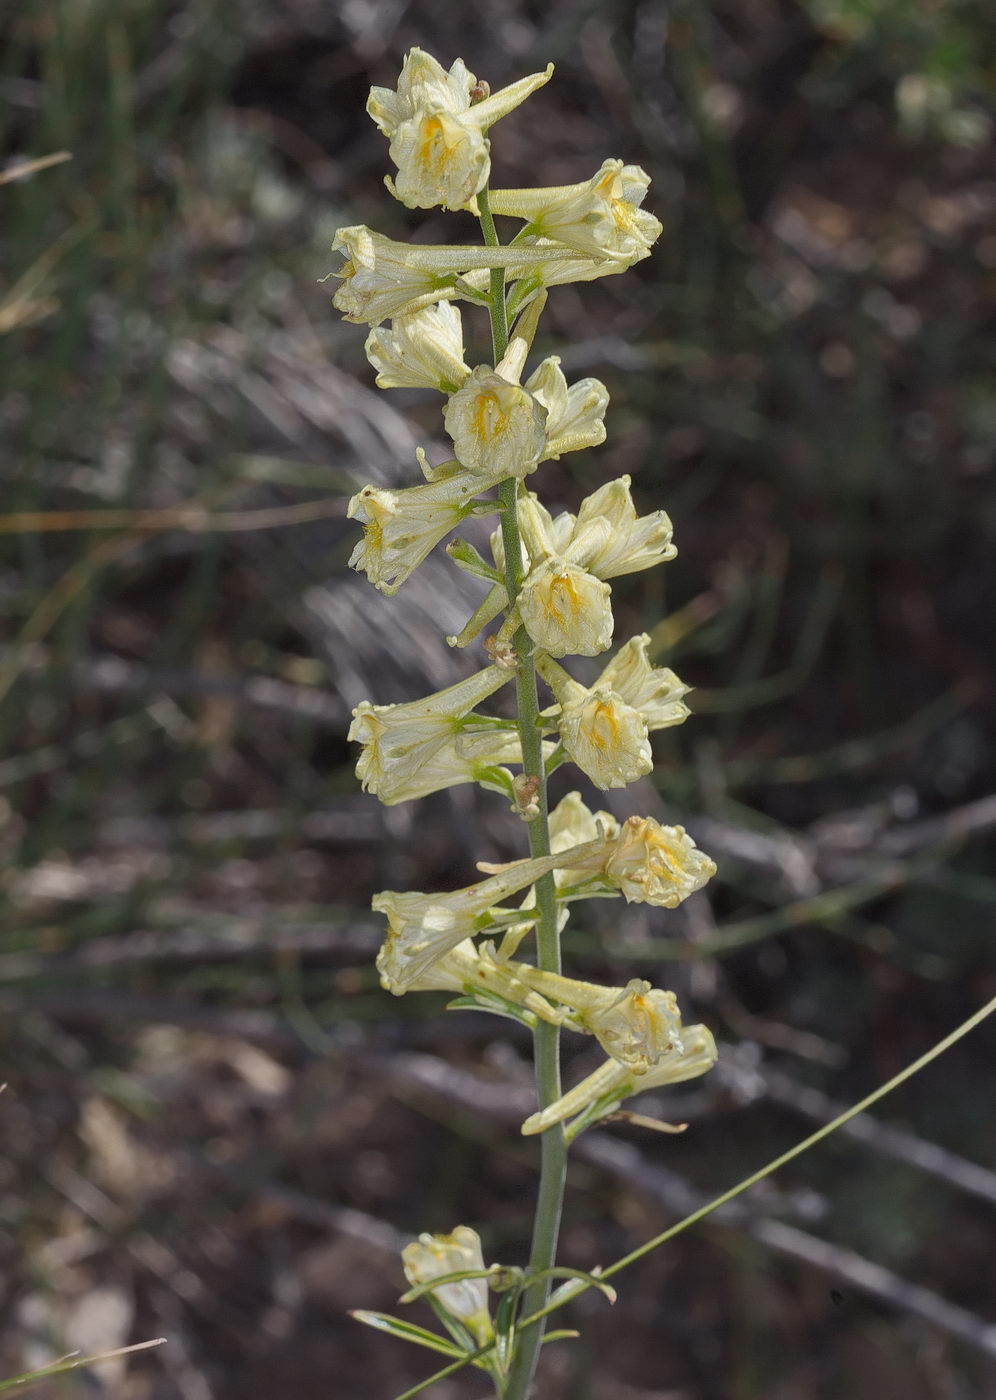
x=217, y=1128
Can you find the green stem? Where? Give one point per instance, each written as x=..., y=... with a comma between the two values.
x=546, y=1038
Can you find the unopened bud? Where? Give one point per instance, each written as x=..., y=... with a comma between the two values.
x=479, y=91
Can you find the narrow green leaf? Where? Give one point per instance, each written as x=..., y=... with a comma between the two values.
x=505, y=1320
x=408, y=1332
x=590, y=1280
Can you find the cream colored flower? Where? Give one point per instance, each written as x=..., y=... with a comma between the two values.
x=424, y=927
x=442, y=160
x=382, y=278
x=640, y=1026
x=601, y=216
x=400, y=528
x=606, y=1087
x=653, y=690
x=605, y=737
x=498, y=428
x=422, y=350
x=466, y=757
x=653, y=864
x=565, y=609
x=571, y=823
x=470, y=967
x=631, y=542
x=435, y=1256
x=436, y=129
x=399, y=740
x=575, y=413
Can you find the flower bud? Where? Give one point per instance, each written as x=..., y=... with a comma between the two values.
x=434, y=1256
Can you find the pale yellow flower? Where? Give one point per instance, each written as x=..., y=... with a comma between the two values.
x=400, y=528
x=437, y=131
x=435, y=1256
x=607, y=1086
x=471, y=967
x=632, y=542
x=399, y=740
x=424, y=927
x=382, y=278
x=653, y=864
x=605, y=737
x=422, y=350
x=575, y=412
x=498, y=428
x=653, y=690
x=565, y=609
x=571, y=824
x=601, y=216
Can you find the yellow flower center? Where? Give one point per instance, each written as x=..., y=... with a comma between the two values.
x=490, y=419
x=435, y=151
x=562, y=598
x=605, y=727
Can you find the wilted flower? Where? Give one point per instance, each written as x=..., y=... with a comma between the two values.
x=601, y=216
x=653, y=864
x=422, y=350
x=606, y=1087
x=434, y=1256
x=399, y=740
x=437, y=132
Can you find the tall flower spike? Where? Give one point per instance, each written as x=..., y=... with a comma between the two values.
x=436, y=130
x=400, y=528
x=399, y=740
x=612, y=1082
x=601, y=216
x=434, y=1256
x=423, y=927
x=422, y=350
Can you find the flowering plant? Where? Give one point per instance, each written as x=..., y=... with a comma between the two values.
x=550, y=579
